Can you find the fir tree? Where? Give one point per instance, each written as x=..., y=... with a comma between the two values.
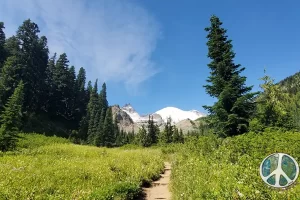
x=230, y=114
x=143, y=137
x=12, y=47
x=11, y=119
x=62, y=91
x=2, y=43
x=34, y=60
x=92, y=110
x=176, y=136
x=181, y=136
x=108, y=129
x=152, y=131
x=116, y=128
x=10, y=76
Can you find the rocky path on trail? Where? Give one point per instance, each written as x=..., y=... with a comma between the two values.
x=160, y=188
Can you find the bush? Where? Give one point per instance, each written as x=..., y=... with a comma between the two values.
x=213, y=168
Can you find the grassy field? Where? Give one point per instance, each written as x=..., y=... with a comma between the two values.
x=53, y=168
x=213, y=168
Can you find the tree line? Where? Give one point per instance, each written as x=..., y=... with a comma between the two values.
x=44, y=94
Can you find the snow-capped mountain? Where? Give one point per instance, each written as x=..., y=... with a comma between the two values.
x=162, y=115
x=178, y=115
x=131, y=112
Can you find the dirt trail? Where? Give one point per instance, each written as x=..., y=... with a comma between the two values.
x=160, y=188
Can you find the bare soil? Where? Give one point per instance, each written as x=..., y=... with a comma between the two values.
x=159, y=189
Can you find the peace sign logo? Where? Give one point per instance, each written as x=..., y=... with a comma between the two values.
x=279, y=170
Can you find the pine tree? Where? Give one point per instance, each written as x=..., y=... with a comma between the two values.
x=92, y=109
x=34, y=60
x=116, y=128
x=11, y=119
x=230, y=114
x=108, y=129
x=72, y=91
x=2, y=43
x=12, y=47
x=152, y=130
x=181, y=136
x=103, y=103
x=10, y=76
x=175, y=136
x=50, y=105
x=143, y=137
x=60, y=77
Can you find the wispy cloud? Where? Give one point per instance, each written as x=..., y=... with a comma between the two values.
x=112, y=39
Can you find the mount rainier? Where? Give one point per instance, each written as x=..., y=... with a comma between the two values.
x=162, y=115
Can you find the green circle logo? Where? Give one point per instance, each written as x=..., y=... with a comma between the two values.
x=279, y=170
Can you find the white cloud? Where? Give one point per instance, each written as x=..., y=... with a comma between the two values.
x=112, y=39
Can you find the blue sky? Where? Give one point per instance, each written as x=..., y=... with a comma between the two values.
x=152, y=53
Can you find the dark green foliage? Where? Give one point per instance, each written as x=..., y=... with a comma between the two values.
x=143, y=137
x=152, y=130
x=11, y=119
x=56, y=100
x=34, y=60
x=2, y=43
x=230, y=114
x=11, y=74
x=108, y=129
x=12, y=47
x=166, y=136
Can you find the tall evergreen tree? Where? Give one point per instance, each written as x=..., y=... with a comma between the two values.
x=34, y=59
x=92, y=109
x=230, y=114
x=12, y=47
x=116, y=128
x=143, y=137
x=81, y=99
x=11, y=119
x=2, y=43
x=108, y=129
x=50, y=87
x=11, y=74
x=152, y=131
x=62, y=90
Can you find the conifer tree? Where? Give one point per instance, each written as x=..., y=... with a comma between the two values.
x=92, y=109
x=230, y=114
x=50, y=87
x=2, y=43
x=10, y=76
x=11, y=119
x=181, y=136
x=12, y=47
x=34, y=60
x=108, y=129
x=116, y=128
x=176, y=136
x=143, y=137
x=152, y=131
x=60, y=77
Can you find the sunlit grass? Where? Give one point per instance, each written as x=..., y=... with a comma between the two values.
x=61, y=170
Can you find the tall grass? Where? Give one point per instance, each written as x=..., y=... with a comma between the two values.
x=53, y=168
x=213, y=168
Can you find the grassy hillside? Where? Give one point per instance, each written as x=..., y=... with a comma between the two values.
x=214, y=168
x=53, y=168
